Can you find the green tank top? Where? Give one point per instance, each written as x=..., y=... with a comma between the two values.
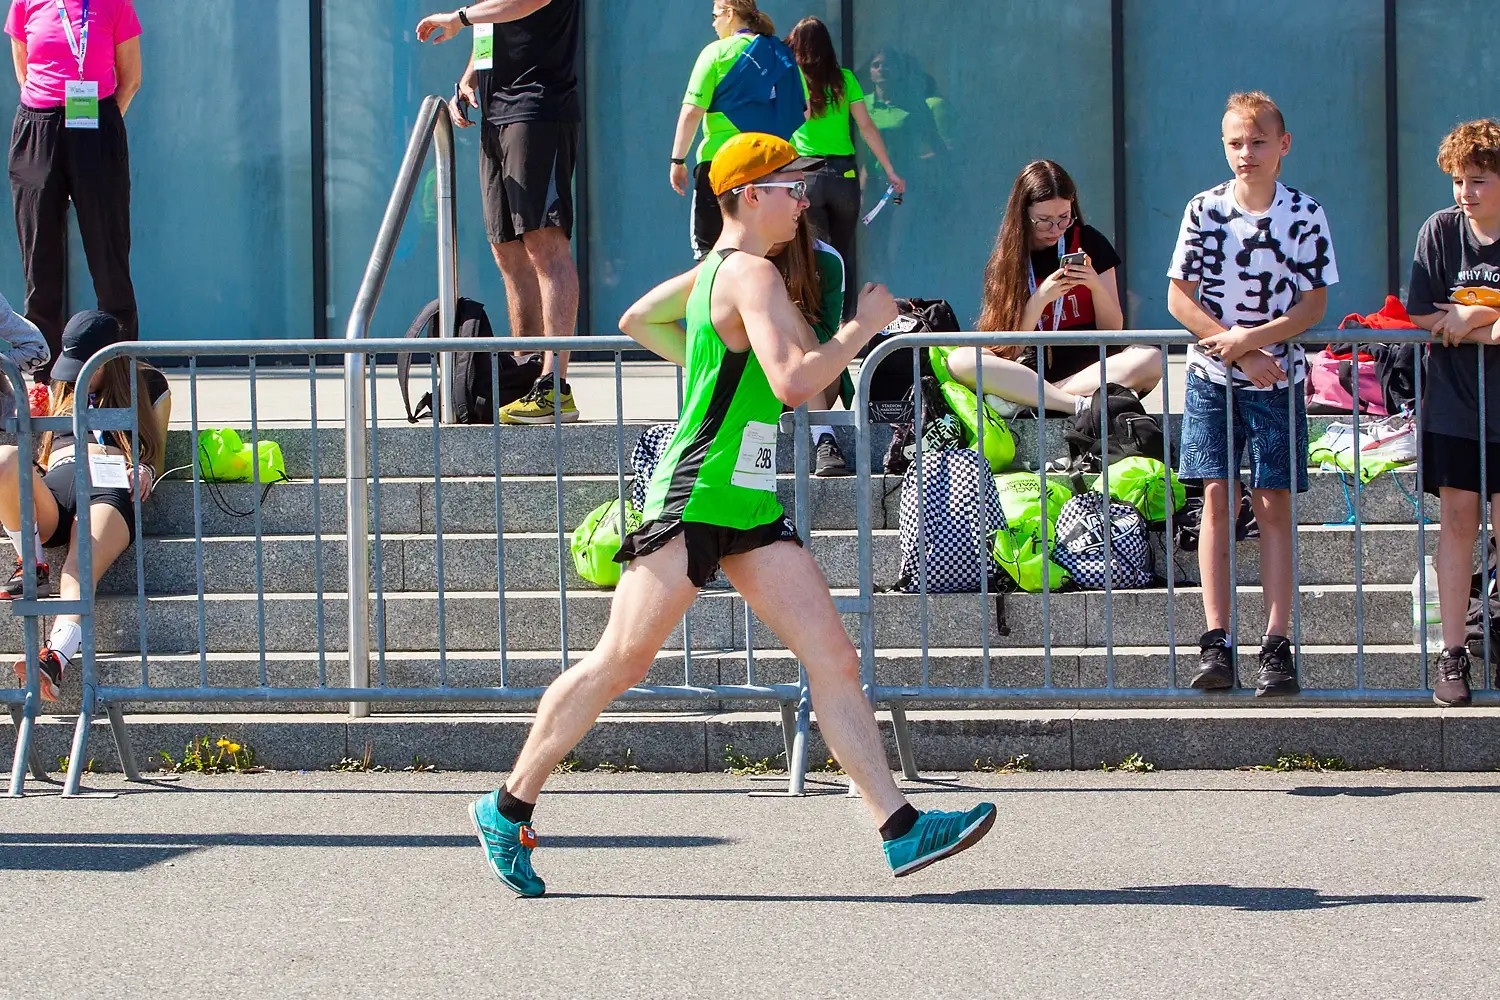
x=720, y=466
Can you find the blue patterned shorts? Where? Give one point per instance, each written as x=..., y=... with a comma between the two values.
x=1260, y=427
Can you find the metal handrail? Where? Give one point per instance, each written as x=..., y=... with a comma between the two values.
x=432, y=121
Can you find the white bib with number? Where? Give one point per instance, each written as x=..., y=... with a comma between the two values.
x=755, y=468
x=484, y=46
x=109, y=472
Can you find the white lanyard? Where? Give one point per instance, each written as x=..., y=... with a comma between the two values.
x=1057, y=305
x=80, y=49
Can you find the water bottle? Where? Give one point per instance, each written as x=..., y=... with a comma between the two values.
x=1429, y=611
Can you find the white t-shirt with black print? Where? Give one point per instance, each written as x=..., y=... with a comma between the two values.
x=1251, y=268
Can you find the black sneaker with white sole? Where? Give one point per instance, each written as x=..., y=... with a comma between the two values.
x=1215, y=663
x=828, y=460
x=1278, y=669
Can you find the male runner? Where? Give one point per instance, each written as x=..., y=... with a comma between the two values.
x=712, y=502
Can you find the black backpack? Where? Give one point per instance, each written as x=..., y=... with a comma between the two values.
x=891, y=384
x=477, y=397
x=1132, y=431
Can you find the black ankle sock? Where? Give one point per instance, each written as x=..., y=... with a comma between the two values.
x=514, y=809
x=900, y=823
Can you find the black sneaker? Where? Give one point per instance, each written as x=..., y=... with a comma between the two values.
x=1452, y=685
x=13, y=586
x=1215, y=663
x=50, y=665
x=829, y=460
x=1278, y=669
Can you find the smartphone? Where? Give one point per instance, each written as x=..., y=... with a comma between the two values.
x=1076, y=259
x=462, y=100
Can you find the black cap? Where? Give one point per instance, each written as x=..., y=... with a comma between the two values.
x=86, y=334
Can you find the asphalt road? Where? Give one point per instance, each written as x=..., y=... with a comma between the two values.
x=1181, y=885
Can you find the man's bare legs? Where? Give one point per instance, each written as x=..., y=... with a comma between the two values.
x=653, y=595
x=541, y=288
x=785, y=588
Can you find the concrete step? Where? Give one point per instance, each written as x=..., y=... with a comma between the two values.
x=1391, y=667
x=231, y=622
x=409, y=561
x=531, y=503
x=583, y=448
x=1181, y=737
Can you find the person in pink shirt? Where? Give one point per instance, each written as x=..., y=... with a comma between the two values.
x=79, y=65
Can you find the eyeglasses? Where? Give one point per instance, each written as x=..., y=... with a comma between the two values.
x=720, y=12
x=1049, y=222
x=798, y=188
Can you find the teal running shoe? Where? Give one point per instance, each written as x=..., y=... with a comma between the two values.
x=938, y=835
x=507, y=845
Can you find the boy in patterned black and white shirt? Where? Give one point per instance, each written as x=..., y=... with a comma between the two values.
x=1250, y=271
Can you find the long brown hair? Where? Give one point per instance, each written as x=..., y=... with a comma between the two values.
x=798, y=263
x=756, y=19
x=813, y=47
x=1005, y=285
x=114, y=393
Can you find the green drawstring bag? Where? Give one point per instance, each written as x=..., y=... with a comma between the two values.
x=1142, y=483
x=1018, y=546
x=596, y=541
x=999, y=443
x=227, y=459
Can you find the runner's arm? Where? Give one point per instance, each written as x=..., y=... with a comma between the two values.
x=653, y=320
x=796, y=373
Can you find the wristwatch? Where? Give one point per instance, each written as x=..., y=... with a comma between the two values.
x=463, y=17
x=681, y=161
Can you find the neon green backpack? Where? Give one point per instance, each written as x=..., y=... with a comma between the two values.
x=1018, y=546
x=597, y=540
x=1142, y=483
x=999, y=443
x=225, y=458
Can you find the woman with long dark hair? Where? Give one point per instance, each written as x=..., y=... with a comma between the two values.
x=834, y=101
x=54, y=486
x=1026, y=289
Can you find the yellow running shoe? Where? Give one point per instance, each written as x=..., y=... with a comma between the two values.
x=538, y=407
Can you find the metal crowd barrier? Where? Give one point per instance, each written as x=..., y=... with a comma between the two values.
x=900, y=692
x=370, y=682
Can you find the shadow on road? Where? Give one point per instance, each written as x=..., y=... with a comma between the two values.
x=1381, y=791
x=127, y=852
x=1249, y=899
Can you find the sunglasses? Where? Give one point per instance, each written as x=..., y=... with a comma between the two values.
x=798, y=188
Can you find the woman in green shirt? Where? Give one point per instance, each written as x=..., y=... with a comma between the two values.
x=737, y=23
x=834, y=99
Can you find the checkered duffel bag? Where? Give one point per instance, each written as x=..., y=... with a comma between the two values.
x=956, y=514
x=1079, y=544
x=649, y=449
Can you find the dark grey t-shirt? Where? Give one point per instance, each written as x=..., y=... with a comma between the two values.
x=1451, y=266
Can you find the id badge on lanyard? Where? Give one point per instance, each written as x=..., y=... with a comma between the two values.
x=484, y=46
x=81, y=98
x=1057, y=306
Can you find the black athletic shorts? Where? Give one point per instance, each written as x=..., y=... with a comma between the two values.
x=526, y=176
x=62, y=483
x=1453, y=462
x=707, y=544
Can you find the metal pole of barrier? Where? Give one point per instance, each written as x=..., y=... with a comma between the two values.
x=377, y=508
x=796, y=765
x=1046, y=522
x=317, y=514
x=24, y=717
x=864, y=476
x=437, y=521
x=1297, y=468
x=356, y=488
x=1422, y=637
x=447, y=253
x=84, y=551
x=1485, y=515
x=199, y=571
x=562, y=548
x=918, y=421
x=1109, y=524
x=1169, y=538
x=260, y=547
x=1359, y=551
x=982, y=530
x=1232, y=501
x=499, y=535
x=140, y=538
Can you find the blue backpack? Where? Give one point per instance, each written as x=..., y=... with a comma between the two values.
x=763, y=91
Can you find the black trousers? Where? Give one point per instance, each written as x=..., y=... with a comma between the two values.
x=50, y=166
x=706, y=223
x=833, y=213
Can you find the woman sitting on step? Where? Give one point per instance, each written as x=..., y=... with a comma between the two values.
x=111, y=507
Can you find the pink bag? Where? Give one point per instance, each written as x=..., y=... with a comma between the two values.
x=1330, y=384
